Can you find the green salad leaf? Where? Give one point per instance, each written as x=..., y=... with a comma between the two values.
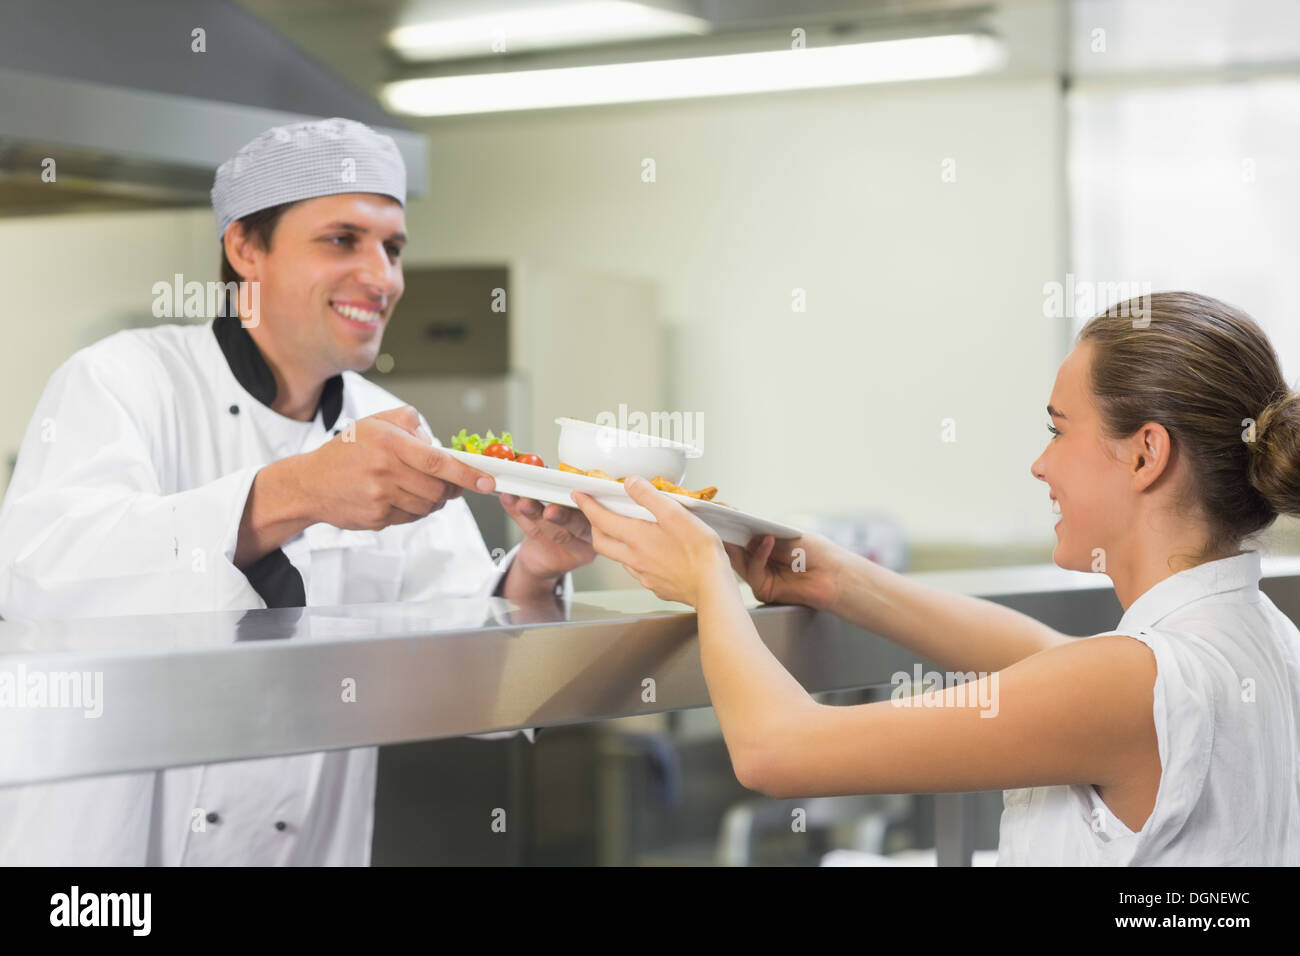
x=474, y=444
x=463, y=441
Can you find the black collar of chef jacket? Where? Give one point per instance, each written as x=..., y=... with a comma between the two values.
x=252, y=372
x=273, y=576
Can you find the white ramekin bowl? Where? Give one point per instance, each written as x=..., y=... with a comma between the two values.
x=620, y=453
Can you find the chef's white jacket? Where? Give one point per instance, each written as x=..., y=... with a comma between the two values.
x=127, y=499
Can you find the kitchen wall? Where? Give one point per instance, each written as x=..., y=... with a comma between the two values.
x=72, y=279
x=920, y=223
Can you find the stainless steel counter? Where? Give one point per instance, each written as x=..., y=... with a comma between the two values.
x=207, y=687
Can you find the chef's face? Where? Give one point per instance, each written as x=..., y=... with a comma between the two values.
x=1085, y=472
x=331, y=279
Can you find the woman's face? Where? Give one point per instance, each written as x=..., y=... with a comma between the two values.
x=1084, y=473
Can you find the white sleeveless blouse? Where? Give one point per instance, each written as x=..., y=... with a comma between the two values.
x=1227, y=717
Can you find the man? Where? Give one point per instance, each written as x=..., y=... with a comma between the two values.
x=242, y=464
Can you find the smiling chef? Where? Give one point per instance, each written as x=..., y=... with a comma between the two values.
x=245, y=463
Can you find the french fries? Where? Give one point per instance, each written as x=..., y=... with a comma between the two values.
x=659, y=481
x=663, y=484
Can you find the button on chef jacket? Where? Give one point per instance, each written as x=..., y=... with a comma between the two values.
x=127, y=498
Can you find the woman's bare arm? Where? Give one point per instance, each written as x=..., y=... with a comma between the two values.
x=956, y=631
x=1076, y=712
x=1080, y=713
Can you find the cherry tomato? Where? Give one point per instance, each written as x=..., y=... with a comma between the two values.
x=498, y=450
x=530, y=460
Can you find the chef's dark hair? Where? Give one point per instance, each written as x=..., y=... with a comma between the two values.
x=260, y=227
x=1206, y=372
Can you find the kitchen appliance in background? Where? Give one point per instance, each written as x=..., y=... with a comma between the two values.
x=446, y=351
x=513, y=346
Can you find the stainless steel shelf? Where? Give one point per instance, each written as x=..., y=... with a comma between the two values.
x=180, y=689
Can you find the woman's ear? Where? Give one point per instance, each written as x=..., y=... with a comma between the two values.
x=1151, y=453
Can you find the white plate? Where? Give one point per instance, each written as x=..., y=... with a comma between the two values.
x=554, y=486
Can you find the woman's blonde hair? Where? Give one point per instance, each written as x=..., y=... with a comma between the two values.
x=1206, y=372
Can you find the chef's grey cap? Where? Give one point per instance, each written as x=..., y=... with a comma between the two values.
x=304, y=161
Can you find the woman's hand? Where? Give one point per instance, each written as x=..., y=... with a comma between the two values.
x=802, y=570
x=676, y=556
x=556, y=539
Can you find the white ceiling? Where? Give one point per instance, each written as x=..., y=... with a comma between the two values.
x=349, y=36
x=1141, y=36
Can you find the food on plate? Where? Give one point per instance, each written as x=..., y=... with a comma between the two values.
x=663, y=484
x=593, y=473
x=503, y=446
x=659, y=481
x=494, y=447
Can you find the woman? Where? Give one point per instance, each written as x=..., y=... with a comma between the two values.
x=1172, y=740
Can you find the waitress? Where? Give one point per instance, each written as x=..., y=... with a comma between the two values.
x=1170, y=741
x=244, y=463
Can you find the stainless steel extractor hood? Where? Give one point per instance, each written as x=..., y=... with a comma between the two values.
x=137, y=107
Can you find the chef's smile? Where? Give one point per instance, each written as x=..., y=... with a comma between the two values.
x=366, y=318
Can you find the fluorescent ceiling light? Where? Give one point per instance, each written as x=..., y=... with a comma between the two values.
x=812, y=68
x=570, y=24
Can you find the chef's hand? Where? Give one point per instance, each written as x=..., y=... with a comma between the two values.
x=556, y=539
x=801, y=570
x=384, y=470
x=671, y=555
